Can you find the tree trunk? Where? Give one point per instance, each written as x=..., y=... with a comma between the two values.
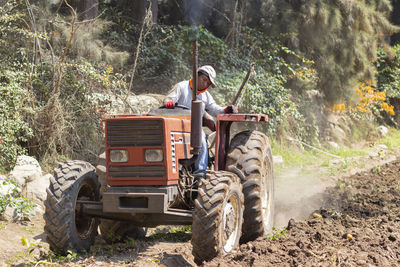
x=86, y=9
x=139, y=8
x=395, y=19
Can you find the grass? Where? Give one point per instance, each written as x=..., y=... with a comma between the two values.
x=392, y=140
x=307, y=157
x=292, y=157
x=346, y=152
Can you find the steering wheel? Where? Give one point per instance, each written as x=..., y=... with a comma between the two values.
x=176, y=106
x=182, y=107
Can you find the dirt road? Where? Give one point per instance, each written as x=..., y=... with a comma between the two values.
x=359, y=226
x=356, y=223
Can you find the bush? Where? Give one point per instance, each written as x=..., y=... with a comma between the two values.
x=23, y=206
x=14, y=100
x=14, y=131
x=388, y=75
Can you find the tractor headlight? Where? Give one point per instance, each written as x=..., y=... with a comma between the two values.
x=154, y=155
x=119, y=156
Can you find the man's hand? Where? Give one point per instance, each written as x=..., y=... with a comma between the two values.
x=231, y=109
x=169, y=104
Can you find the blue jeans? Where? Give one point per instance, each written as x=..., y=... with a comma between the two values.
x=201, y=163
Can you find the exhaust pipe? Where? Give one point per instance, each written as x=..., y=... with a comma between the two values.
x=196, y=111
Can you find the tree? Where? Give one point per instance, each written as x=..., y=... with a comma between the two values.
x=341, y=36
x=395, y=19
x=86, y=9
x=139, y=8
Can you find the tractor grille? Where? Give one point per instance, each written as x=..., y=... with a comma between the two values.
x=128, y=133
x=136, y=171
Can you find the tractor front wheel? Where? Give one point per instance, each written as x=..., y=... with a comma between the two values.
x=217, y=216
x=66, y=227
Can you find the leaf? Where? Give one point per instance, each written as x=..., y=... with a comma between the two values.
x=24, y=241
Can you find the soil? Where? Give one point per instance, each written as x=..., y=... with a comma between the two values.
x=349, y=219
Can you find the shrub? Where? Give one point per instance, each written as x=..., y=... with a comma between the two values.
x=14, y=131
x=14, y=95
x=22, y=205
x=388, y=76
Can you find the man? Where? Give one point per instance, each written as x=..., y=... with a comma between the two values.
x=181, y=94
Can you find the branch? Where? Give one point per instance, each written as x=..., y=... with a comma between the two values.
x=147, y=21
x=62, y=59
x=216, y=10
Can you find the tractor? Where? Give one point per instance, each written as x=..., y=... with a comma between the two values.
x=149, y=181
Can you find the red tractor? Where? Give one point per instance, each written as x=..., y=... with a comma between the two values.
x=150, y=182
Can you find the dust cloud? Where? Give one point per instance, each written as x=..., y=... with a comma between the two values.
x=297, y=194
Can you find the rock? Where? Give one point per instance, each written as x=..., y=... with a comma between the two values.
x=38, y=210
x=313, y=93
x=382, y=147
x=338, y=133
x=278, y=160
x=101, y=172
x=26, y=160
x=383, y=130
x=36, y=189
x=9, y=214
x=26, y=169
x=133, y=104
x=102, y=159
x=373, y=154
x=144, y=103
x=335, y=162
x=333, y=145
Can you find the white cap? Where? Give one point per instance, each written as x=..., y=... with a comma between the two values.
x=209, y=72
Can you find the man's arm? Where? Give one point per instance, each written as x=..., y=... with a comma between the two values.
x=214, y=109
x=211, y=106
x=173, y=95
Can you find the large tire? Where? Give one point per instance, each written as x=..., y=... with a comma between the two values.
x=250, y=158
x=114, y=231
x=217, y=216
x=65, y=228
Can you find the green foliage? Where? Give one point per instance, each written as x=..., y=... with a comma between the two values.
x=342, y=185
x=181, y=229
x=277, y=233
x=392, y=140
x=345, y=152
x=130, y=242
x=82, y=134
x=388, y=75
x=167, y=53
x=293, y=157
x=341, y=38
x=14, y=129
x=264, y=94
x=174, y=234
x=23, y=206
x=70, y=257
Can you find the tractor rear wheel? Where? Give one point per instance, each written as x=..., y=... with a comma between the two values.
x=217, y=216
x=65, y=227
x=114, y=231
x=250, y=158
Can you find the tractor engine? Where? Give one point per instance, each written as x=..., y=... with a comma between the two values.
x=143, y=153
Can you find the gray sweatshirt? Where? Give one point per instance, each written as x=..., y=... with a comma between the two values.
x=181, y=93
